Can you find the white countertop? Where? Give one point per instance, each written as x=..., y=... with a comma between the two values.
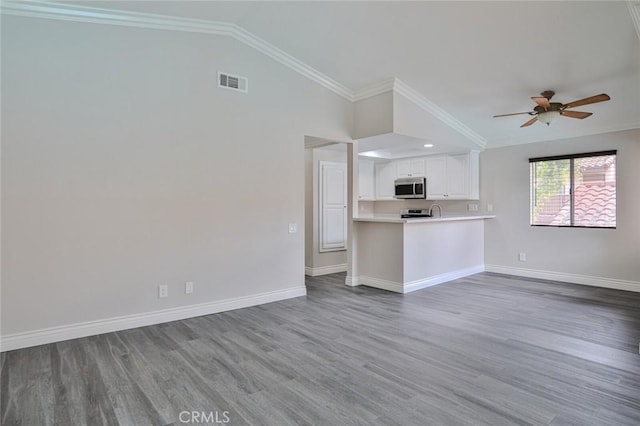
x=395, y=218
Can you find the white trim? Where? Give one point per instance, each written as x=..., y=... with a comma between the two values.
x=442, y=278
x=94, y=15
x=324, y=270
x=374, y=89
x=408, y=287
x=417, y=98
x=396, y=287
x=294, y=64
x=351, y=281
x=566, y=277
x=90, y=328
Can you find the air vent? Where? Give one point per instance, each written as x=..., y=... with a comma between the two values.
x=233, y=82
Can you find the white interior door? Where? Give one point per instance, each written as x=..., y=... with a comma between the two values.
x=333, y=206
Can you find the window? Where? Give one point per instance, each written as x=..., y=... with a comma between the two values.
x=574, y=190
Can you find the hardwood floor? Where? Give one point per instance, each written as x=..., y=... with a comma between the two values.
x=485, y=350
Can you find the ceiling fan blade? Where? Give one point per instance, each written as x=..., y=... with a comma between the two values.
x=586, y=101
x=576, y=114
x=530, y=122
x=515, y=113
x=542, y=101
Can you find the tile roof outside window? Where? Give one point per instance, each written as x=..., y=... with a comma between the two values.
x=595, y=198
x=595, y=205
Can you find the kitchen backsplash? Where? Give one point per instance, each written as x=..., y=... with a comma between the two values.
x=392, y=207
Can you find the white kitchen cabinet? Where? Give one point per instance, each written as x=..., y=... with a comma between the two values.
x=437, y=177
x=366, y=180
x=414, y=167
x=457, y=176
x=385, y=177
x=453, y=177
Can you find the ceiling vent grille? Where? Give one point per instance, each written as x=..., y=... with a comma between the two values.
x=233, y=82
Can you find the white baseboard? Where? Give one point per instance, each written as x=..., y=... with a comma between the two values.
x=565, y=277
x=408, y=287
x=351, y=281
x=91, y=328
x=324, y=270
x=442, y=278
x=394, y=286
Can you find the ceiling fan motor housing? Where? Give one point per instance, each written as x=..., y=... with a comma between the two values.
x=553, y=106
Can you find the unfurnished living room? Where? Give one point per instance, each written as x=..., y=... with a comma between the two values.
x=435, y=221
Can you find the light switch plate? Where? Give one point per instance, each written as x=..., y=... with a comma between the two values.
x=293, y=228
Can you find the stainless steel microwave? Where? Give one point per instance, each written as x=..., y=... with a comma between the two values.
x=411, y=187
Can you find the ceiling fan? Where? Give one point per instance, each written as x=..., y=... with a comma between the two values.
x=546, y=112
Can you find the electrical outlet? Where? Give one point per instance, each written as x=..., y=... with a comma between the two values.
x=489, y=207
x=293, y=228
x=188, y=287
x=522, y=257
x=163, y=291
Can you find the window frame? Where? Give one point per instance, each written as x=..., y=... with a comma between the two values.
x=571, y=158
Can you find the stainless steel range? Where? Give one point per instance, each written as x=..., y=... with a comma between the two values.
x=407, y=213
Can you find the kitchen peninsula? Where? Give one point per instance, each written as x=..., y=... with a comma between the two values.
x=404, y=255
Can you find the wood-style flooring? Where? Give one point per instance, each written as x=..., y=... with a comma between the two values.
x=484, y=350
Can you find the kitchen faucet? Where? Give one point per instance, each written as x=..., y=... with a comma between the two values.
x=439, y=209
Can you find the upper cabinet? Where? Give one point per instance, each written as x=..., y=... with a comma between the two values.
x=449, y=177
x=414, y=167
x=366, y=180
x=385, y=177
x=453, y=177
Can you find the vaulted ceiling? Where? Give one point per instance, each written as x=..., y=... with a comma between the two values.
x=471, y=59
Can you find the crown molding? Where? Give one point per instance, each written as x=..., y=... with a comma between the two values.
x=289, y=61
x=417, y=98
x=94, y=15
x=634, y=10
x=374, y=89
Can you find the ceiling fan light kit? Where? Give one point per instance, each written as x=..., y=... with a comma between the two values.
x=547, y=117
x=546, y=112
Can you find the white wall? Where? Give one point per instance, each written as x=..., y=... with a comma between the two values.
x=373, y=116
x=607, y=257
x=124, y=166
x=411, y=120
